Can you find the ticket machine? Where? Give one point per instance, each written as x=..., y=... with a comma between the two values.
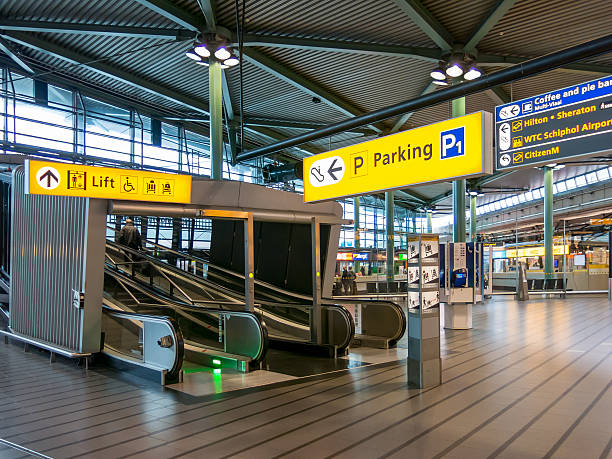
x=460, y=282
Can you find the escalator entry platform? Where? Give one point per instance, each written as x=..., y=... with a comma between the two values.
x=279, y=366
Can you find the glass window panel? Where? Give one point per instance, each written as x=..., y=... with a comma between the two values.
x=581, y=181
x=515, y=200
x=561, y=187
x=591, y=177
x=602, y=174
x=521, y=198
x=570, y=183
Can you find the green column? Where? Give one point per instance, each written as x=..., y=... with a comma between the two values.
x=390, y=235
x=458, y=109
x=215, y=91
x=548, y=222
x=429, y=225
x=356, y=229
x=473, y=218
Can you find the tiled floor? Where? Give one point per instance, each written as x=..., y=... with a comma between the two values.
x=530, y=380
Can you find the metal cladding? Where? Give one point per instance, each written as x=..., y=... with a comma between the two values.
x=54, y=251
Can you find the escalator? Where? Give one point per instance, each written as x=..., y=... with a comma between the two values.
x=287, y=318
x=287, y=314
x=217, y=334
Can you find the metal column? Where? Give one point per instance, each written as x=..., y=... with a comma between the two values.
x=356, y=229
x=390, y=235
x=249, y=264
x=548, y=223
x=316, y=327
x=458, y=109
x=429, y=224
x=473, y=218
x=215, y=91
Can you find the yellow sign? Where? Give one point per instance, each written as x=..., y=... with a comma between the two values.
x=64, y=179
x=456, y=148
x=601, y=221
x=536, y=251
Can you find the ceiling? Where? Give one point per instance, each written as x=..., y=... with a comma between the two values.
x=353, y=56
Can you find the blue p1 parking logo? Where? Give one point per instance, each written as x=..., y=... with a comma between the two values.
x=452, y=143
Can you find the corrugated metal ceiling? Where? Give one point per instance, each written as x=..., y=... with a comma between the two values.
x=368, y=82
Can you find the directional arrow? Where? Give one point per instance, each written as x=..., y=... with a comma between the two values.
x=331, y=170
x=514, y=110
x=48, y=175
x=504, y=128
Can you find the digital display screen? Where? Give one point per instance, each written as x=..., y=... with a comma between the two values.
x=580, y=259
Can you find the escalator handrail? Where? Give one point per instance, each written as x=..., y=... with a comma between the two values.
x=176, y=271
x=177, y=335
x=219, y=268
x=173, y=303
x=396, y=307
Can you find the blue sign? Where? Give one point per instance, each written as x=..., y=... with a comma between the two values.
x=361, y=256
x=452, y=143
x=555, y=126
x=555, y=99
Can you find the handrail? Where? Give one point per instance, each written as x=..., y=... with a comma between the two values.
x=219, y=268
x=174, y=304
x=177, y=336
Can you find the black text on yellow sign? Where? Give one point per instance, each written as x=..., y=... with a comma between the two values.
x=456, y=148
x=60, y=179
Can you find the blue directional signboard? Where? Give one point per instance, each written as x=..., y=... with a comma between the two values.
x=556, y=126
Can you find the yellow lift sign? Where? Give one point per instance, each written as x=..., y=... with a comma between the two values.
x=63, y=179
x=457, y=148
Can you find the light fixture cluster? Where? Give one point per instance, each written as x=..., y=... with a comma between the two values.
x=203, y=52
x=455, y=67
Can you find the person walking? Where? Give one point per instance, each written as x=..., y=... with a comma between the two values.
x=352, y=281
x=130, y=236
x=346, y=282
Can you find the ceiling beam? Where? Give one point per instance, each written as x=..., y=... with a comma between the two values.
x=416, y=52
x=105, y=69
x=227, y=97
x=102, y=68
x=96, y=29
x=406, y=116
x=300, y=125
x=169, y=10
x=304, y=84
x=5, y=48
x=495, y=60
x=498, y=95
x=208, y=11
x=427, y=23
x=488, y=23
x=412, y=195
x=441, y=197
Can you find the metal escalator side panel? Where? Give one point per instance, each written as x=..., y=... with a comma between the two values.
x=338, y=326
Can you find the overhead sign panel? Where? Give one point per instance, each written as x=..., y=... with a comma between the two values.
x=555, y=126
x=62, y=179
x=457, y=148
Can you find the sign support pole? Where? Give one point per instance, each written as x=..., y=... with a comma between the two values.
x=548, y=223
x=429, y=223
x=356, y=264
x=215, y=91
x=458, y=109
x=390, y=237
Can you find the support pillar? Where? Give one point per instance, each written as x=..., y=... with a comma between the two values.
x=458, y=109
x=548, y=223
x=458, y=315
x=356, y=265
x=390, y=236
x=215, y=95
x=249, y=264
x=473, y=218
x=429, y=224
x=316, y=324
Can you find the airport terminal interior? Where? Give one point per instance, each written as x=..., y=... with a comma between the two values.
x=306, y=229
